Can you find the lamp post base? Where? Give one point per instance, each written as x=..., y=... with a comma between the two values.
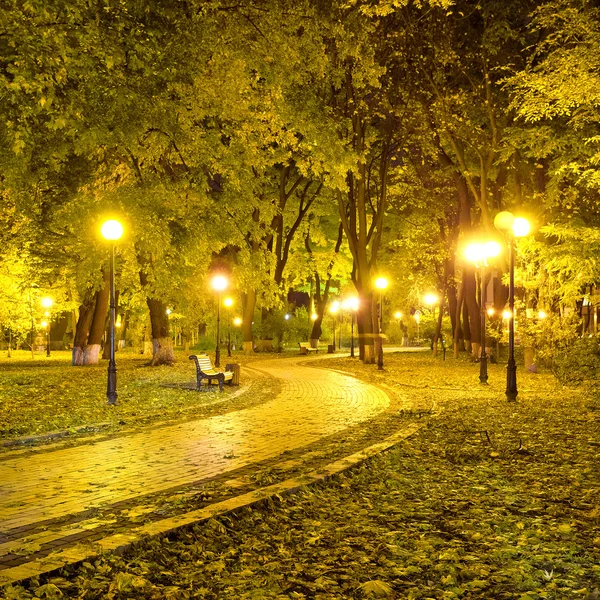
x=483, y=374
x=111, y=390
x=511, y=381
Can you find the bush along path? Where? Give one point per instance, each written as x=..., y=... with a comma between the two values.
x=490, y=500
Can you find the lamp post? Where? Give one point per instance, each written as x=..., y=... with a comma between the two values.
x=228, y=302
x=418, y=321
x=333, y=309
x=431, y=300
x=112, y=231
x=47, y=303
x=219, y=283
x=478, y=253
x=381, y=284
x=351, y=304
x=238, y=323
x=512, y=227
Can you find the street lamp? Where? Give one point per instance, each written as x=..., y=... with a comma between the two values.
x=219, y=283
x=431, y=300
x=112, y=231
x=479, y=253
x=228, y=302
x=333, y=309
x=47, y=303
x=381, y=284
x=351, y=304
x=512, y=227
x=238, y=323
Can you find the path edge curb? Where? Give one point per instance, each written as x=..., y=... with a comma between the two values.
x=121, y=542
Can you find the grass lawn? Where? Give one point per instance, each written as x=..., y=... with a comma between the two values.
x=46, y=394
x=490, y=500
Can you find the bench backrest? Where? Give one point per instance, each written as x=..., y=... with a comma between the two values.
x=304, y=344
x=204, y=362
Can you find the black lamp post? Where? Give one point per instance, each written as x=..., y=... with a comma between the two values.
x=479, y=253
x=112, y=230
x=351, y=304
x=228, y=303
x=333, y=309
x=512, y=227
x=381, y=283
x=47, y=303
x=219, y=284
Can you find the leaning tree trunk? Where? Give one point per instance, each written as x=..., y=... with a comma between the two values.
x=82, y=330
x=92, y=350
x=162, y=343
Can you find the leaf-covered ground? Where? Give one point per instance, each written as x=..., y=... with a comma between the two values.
x=489, y=500
x=44, y=395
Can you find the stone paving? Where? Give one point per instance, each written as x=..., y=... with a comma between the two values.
x=42, y=488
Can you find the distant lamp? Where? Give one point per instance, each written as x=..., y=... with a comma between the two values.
x=397, y=315
x=478, y=253
x=168, y=311
x=381, y=284
x=512, y=227
x=286, y=317
x=506, y=315
x=237, y=321
x=542, y=314
x=431, y=299
x=47, y=303
x=112, y=231
x=333, y=309
x=491, y=312
x=228, y=302
x=219, y=283
x=314, y=316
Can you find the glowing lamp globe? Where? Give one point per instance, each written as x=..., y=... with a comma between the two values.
x=521, y=227
x=381, y=283
x=219, y=283
x=111, y=230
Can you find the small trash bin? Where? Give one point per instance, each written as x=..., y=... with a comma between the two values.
x=235, y=369
x=330, y=349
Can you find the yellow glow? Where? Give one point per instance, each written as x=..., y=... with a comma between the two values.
x=431, y=299
x=335, y=306
x=118, y=323
x=44, y=323
x=542, y=314
x=314, y=316
x=168, y=311
x=490, y=312
x=521, y=227
x=474, y=252
x=219, y=283
x=381, y=283
x=397, y=315
x=228, y=302
x=417, y=317
x=350, y=303
x=237, y=321
x=112, y=230
x=491, y=249
x=47, y=302
x=504, y=221
x=506, y=314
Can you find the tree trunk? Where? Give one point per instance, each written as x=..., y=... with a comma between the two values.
x=92, y=350
x=162, y=343
x=82, y=329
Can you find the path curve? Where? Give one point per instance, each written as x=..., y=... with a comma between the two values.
x=313, y=403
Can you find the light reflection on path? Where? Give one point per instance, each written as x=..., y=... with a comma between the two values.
x=313, y=403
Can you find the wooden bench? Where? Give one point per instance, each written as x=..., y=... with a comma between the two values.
x=205, y=370
x=305, y=348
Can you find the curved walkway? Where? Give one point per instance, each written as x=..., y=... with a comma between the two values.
x=313, y=403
